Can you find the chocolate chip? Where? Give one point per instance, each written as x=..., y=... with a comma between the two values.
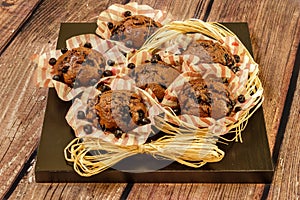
x=127, y=13
x=103, y=88
x=110, y=62
x=237, y=58
x=64, y=50
x=129, y=43
x=177, y=111
x=93, y=82
x=237, y=109
x=131, y=65
x=52, y=61
x=118, y=133
x=144, y=121
x=199, y=100
x=235, y=69
x=107, y=73
x=241, y=98
x=65, y=69
x=110, y=25
x=88, y=129
x=102, y=127
x=80, y=115
x=227, y=58
x=224, y=80
x=157, y=57
x=56, y=77
x=88, y=45
x=141, y=114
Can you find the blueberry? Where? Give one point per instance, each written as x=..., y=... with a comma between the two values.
x=237, y=58
x=241, y=98
x=127, y=13
x=129, y=43
x=80, y=115
x=110, y=25
x=88, y=45
x=52, y=61
x=107, y=73
x=56, y=77
x=111, y=63
x=64, y=50
x=88, y=129
x=131, y=65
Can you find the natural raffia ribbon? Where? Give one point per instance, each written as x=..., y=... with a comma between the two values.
x=188, y=149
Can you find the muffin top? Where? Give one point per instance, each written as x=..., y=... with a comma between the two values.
x=133, y=30
x=80, y=66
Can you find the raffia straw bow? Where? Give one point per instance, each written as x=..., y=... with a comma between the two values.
x=188, y=149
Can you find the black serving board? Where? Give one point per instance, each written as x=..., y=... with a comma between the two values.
x=247, y=162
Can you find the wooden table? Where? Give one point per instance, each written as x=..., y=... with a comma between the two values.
x=29, y=27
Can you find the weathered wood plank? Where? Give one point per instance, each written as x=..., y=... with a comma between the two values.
x=28, y=189
x=26, y=103
x=22, y=103
x=12, y=15
x=274, y=45
x=275, y=51
x=286, y=179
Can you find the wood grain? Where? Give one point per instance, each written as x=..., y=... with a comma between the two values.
x=274, y=45
x=274, y=28
x=286, y=179
x=13, y=14
x=22, y=103
x=275, y=51
x=28, y=189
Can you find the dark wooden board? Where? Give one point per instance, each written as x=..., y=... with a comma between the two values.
x=247, y=162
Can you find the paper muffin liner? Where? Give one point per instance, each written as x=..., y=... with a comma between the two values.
x=115, y=13
x=216, y=126
x=44, y=71
x=136, y=136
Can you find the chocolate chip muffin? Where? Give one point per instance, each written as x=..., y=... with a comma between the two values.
x=205, y=98
x=77, y=67
x=133, y=30
x=211, y=52
x=121, y=110
x=155, y=75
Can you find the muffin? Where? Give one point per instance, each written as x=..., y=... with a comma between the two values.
x=155, y=75
x=205, y=98
x=77, y=67
x=120, y=110
x=212, y=52
x=134, y=30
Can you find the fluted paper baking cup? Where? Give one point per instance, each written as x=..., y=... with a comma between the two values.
x=44, y=71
